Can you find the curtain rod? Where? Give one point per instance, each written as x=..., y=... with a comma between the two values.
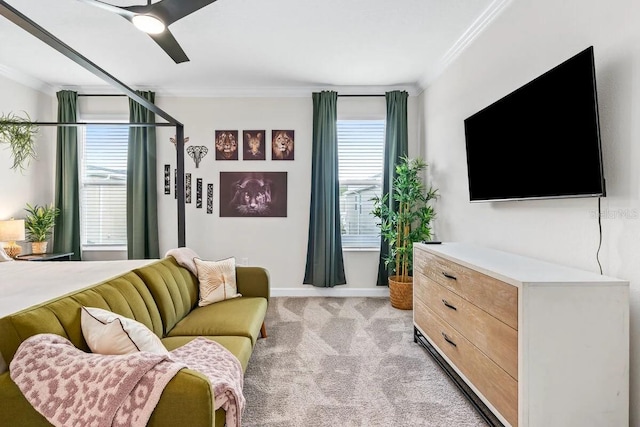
x=365, y=95
x=98, y=94
x=137, y=125
x=339, y=95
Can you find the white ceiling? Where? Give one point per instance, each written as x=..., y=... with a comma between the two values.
x=247, y=47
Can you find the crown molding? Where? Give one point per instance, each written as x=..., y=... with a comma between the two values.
x=26, y=80
x=475, y=29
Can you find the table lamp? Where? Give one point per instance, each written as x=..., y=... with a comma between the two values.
x=10, y=231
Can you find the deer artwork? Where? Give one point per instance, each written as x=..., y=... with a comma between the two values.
x=197, y=152
x=173, y=140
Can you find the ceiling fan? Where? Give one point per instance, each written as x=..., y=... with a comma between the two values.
x=154, y=18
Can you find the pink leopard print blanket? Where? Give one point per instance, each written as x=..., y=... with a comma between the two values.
x=223, y=370
x=72, y=388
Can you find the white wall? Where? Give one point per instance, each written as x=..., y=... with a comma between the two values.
x=527, y=39
x=35, y=184
x=279, y=244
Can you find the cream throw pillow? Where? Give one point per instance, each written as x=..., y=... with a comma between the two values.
x=110, y=333
x=217, y=280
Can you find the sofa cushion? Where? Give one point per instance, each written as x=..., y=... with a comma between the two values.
x=217, y=280
x=239, y=316
x=110, y=333
x=174, y=290
x=240, y=346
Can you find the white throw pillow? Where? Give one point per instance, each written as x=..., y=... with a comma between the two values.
x=4, y=256
x=110, y=333
x=217, y=280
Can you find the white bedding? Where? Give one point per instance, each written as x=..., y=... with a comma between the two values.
x=27, y=283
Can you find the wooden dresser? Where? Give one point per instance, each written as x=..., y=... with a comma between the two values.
x=532, y=343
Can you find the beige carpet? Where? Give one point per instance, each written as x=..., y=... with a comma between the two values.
x=344, y=362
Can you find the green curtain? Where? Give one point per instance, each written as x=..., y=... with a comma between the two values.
x=142, y=206
x=325, y=266
x=396, y=145
x=66, y=237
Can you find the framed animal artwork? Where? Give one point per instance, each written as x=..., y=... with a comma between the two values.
x=253, y=146
x=226, y=145
x=282, y=144
x=253, y=194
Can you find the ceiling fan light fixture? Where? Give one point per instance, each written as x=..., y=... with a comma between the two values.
x=148, y=24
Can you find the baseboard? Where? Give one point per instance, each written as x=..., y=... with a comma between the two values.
x=312, y=291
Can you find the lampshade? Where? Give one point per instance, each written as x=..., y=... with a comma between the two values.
x=11, y=230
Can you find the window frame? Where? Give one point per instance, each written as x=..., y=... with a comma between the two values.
x=95, y=119
x=361, y=242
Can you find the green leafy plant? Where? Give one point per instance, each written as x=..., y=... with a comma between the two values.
x=19, y=133
x=411, y=220
x=39, y=222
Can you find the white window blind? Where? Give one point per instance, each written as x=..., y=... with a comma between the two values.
x=360, y=157
x=103, y=203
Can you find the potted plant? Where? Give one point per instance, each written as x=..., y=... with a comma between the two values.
x=409, y=222
x=19, y=133
x=39, y=224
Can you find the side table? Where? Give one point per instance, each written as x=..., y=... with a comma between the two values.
x=66, y=256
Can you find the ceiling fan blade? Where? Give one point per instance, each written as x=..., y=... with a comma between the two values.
x=169, y=11
x=170, y=45
x=111, y=8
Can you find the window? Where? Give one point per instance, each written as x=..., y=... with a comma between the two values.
x=103, y=205
x=360, y=157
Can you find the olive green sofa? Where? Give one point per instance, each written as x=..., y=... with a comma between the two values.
x=163, y=296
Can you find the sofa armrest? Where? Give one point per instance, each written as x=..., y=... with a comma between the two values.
x=252, y=281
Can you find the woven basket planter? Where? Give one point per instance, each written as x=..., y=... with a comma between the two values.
x=38, y=247
x=401, y=293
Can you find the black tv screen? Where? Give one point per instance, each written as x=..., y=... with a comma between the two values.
x=540, y=141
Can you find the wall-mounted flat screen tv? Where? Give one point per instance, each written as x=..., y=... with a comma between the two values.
x=540, y=141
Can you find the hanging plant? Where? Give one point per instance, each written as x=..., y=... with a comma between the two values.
x=19, y=133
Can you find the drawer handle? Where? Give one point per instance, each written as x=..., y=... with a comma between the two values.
x=449, y=276
x=446, y=303
x=447, y=339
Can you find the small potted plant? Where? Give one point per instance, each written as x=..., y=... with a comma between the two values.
x=409, y=222
x=19, y=133
x=39, y=224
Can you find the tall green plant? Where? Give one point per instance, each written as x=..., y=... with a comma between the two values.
x=19, y=133
x=410, y=221
x=39, y=222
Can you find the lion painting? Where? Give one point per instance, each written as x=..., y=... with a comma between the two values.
x=282, y=145
x=253, y=145
x=226, y=145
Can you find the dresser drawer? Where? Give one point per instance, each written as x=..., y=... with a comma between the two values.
x=493, y=296
x=494, y=338
x=493, y=382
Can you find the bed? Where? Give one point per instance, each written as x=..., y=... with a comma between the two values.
x=23, y=283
